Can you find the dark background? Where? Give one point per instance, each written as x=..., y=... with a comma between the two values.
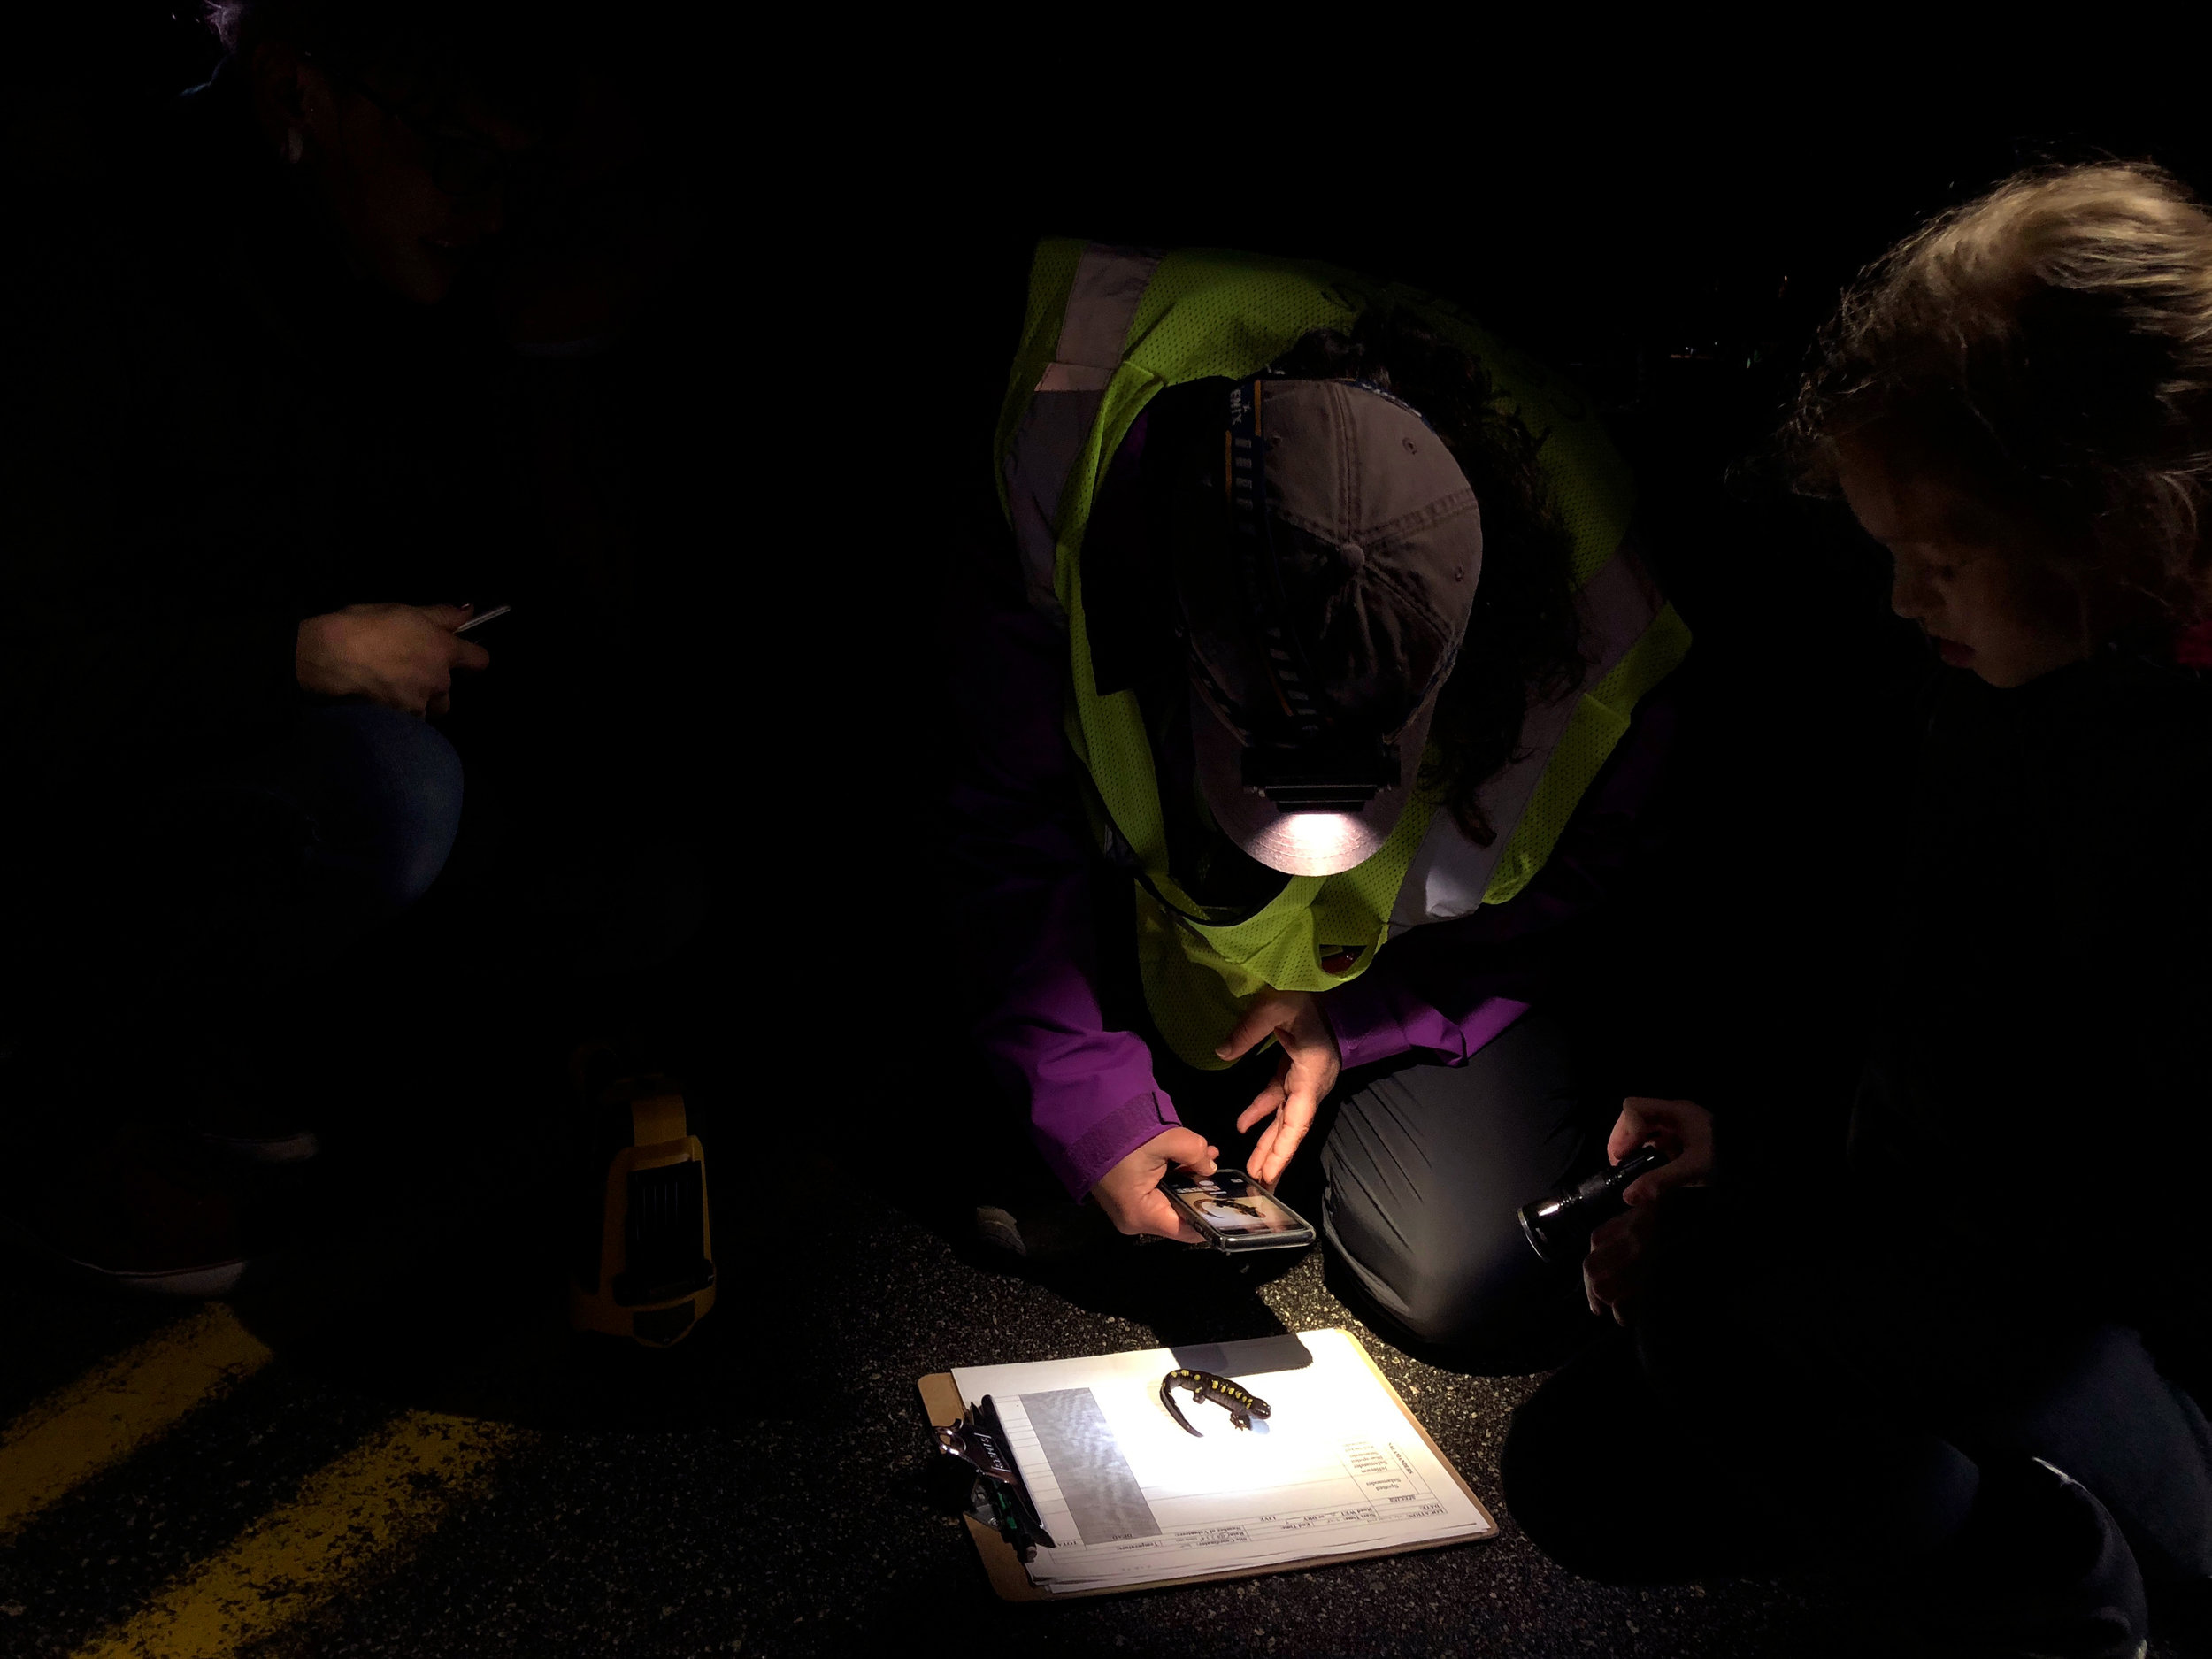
x=805, y=418
x=805, y=422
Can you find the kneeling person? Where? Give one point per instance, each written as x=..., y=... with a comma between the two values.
x=1327, y=666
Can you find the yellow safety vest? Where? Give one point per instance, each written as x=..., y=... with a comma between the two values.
x=1107, y=328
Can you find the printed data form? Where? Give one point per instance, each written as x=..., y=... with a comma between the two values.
x=1130, y=1496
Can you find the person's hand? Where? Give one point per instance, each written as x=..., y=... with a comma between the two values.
x=1619, y=1256
x=1303, y=1079
x=396, y=656
x=1682, y=1129
x=1130, y=1192
x=1619, y=1263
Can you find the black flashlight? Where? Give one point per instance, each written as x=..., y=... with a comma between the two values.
x=1559, y=1227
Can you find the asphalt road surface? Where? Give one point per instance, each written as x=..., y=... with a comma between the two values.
x=403, y=1453
x=398, y=1449
x=227, y=1496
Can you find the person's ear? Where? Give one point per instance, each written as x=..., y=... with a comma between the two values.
x=291, y=98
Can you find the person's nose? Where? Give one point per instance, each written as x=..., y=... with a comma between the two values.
x=1911, y=595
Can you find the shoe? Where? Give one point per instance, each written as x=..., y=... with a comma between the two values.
x=998, y=1229
x=256, y=1140
x=119, y=1219
x=2039, y=1568
x=1044, y=1229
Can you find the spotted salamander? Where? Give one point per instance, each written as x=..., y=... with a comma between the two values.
x=1204, y=1385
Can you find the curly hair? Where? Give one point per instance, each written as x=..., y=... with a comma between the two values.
x=1524, y=641
x=2049, y=346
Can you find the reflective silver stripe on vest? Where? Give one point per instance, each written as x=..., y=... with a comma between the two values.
x=1094, y=332
x=1450, y=873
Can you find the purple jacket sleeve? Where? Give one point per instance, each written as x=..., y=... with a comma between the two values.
x=1021, y=864
x=1447, y=989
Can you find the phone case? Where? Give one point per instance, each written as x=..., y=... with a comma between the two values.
x=1236, y=1244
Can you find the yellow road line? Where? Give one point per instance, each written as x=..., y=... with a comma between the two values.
x=354, y=1514
x=73, y=1433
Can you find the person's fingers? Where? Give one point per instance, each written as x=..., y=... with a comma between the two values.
x=446, y=617
x=1264, y=1105
x=1615, y=1248
x=1259, y=1021
x=469, y=654
x=1198, y=1163
x=1607, y=1272
x=1607, y=1293
x=1681, y=1129
x=1672, y=1123
x=1612, y=1231
x=1630, y=1130
x=1661, y=1181
x=1130, y=1192
x=1607, y=1285
x=1608, y=1250
x=1178, y=1145
x=1261, y=1165
x=1153, y=1213
x=1289, y=1129
x=438, y=707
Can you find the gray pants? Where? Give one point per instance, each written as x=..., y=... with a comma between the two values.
x=1426, y=1168
x=1418, y=1189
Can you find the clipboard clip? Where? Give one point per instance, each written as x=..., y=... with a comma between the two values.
x=996, y=1496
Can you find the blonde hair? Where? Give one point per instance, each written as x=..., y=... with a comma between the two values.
x=2049, y=344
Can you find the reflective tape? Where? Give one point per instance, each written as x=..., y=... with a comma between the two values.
x=1110, y=282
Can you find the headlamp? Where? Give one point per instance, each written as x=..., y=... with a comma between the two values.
x=1319, y=776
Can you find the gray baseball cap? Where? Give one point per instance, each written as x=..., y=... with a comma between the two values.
x=1321, y=626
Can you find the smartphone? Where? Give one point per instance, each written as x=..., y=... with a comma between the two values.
x=1236, y=1212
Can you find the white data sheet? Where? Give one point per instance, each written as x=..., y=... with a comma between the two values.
x=1130, y=1497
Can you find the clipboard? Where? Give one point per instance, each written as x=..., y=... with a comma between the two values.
x=1010, y=1579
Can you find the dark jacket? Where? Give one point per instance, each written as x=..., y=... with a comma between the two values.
x=214, y=429
x=2033, y=1110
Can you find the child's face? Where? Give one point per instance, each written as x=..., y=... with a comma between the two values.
x=1956, y=569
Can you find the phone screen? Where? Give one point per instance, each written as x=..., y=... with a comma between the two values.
x=1241, y=1213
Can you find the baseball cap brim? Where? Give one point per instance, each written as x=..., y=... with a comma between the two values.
x=1298, y=843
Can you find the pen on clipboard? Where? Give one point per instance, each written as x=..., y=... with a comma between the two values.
x=496, y=612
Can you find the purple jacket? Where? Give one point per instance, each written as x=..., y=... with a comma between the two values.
x=1023, y=860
